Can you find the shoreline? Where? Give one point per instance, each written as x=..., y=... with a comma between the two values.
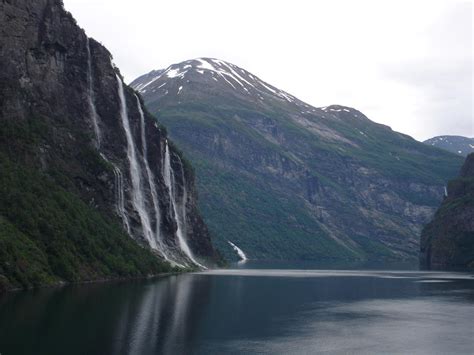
x=62, y=284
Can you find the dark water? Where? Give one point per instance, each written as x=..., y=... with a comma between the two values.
x=248, y=310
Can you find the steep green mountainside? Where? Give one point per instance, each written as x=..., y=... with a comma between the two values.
x=49, y=235
x=447, y=242
x=455, y=144
x=282, y=179
x=90, y=187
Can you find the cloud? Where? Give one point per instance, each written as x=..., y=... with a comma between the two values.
x=442, y=75
x=407, y=64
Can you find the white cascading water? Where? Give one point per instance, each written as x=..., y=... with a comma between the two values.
x=119, y=195
x=135, y=170
x=180, y=216
x=154, y=195
x=240, y=253
x=91, y=96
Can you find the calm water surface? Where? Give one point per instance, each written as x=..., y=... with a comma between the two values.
x=258, y=308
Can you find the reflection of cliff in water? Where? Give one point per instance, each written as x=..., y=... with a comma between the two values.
x=163, y=317
x=144, y=317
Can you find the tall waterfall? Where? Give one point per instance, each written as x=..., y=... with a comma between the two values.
x=135, y=170
x=91, y=96
x=180, y=216
x=152, y=185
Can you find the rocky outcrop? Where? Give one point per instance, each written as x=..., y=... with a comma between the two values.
x=447, y=242
x=282, y=179
x=67, y=116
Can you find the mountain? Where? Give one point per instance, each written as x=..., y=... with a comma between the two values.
x=90, y=187
x=447, y=242
x=281, y=179
x=454, y=144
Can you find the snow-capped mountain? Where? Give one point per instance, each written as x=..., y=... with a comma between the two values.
x=455, y=144
x=220, y=76
x=204, y=69
x=282, y=179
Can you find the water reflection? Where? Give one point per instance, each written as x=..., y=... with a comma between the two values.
x=247, y=311
x=152, y=317
x=162, y=319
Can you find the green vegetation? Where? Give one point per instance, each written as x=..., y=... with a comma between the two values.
x=260, y=220
x=234, y=143
x=48, y=233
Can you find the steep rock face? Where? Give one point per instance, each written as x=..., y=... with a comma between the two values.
x=447, y=242
x=67, y=118
x=282, y=179
x=455, y=144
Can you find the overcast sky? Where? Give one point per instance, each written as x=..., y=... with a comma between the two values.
x=407, y=64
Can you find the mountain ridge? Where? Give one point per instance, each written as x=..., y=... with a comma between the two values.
x=455, y=144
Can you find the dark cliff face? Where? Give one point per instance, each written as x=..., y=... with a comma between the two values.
x=447, y=242
x=67, y=117
x=282, y=179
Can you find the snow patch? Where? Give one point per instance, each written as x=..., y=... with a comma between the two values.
x=173, y=73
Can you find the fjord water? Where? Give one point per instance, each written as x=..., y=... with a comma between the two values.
x=251, y=308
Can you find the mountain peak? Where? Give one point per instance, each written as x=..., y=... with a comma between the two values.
x=212, y=71
x=223, y=78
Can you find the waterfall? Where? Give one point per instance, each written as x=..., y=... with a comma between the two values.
x=91, y=96
x=239, y=251
x=180, y=216
x=119, y=195
x=151, y=184
x=135, y=170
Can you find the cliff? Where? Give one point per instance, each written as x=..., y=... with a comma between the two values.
x=447, y=242
x=90, y=186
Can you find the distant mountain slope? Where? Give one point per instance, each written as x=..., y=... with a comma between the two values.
x=454, y=144
x=282, y=179
x=447, y=242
